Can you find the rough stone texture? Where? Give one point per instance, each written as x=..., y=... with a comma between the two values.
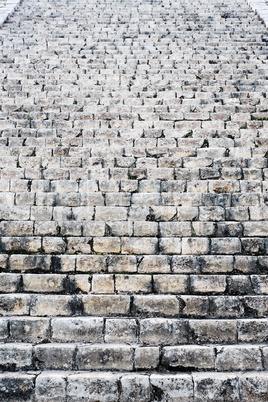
x=133, y=201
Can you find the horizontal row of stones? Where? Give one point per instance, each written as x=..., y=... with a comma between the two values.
x=256, y=173
x=154, y=332
x=124, y=387
x=185, y=306
x=130, y=264
x=254, y=180
x=136, y=229
x=122, y=357
x=34, y=132
x=133, y=193
x=156, y=167
x=144, y=212
x=142, y=245
x=74, y=146
x=126, y=283
x=144, y=120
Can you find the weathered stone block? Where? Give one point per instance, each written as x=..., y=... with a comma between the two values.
x=92, y=387
x=106, y=305
x=146, y=358
x=104, y=357
x=212, y=331
x=54, y=356
x=188, y=357
x=175, y=387
x=15, y=357
x=135, y=387
x=156, y=331
x=51, y=387
x=123, y=330
x=164, y=306
x=79, y=329
x=216, y=387
x=238, y=358
x=29, y=329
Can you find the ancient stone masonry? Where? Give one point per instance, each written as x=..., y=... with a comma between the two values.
x=133, y=202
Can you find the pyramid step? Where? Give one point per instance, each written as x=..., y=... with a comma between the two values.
x=124, y=386
x=151, y=305
x=146, y=332
x=129, y=357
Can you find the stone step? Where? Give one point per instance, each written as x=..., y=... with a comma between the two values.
x=255, y=243
x=129, y=357
x=143, y=332
x=151, y=305
x=133, y=283
x=125, y=386
x=127, y=264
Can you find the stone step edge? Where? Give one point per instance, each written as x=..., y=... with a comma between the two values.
x=125, y=386
x=8, y=9
x=261, y=8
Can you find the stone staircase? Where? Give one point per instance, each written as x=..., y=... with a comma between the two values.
x=133, y=203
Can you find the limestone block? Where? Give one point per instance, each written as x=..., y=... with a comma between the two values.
x=139, y=245
x=208, y=283
x=14, y=304
x=102, y=283
x=54, y=356
x=91, y=263
x=212, y=331
x=9, y=282
x=123, y=330
x=225, y=246
x=146, y=358
x=195, y=306
x=252, y=330
x=216, y=264
x=175, y=387
x=29, y=329
x=175, y=284
x=175, y=229
x=79, y=245
x=133, y=283
x=253, y=386
x=40, y=283
x=145, y=229
x=111, y=213
x=3, y=329
x=161, y=331
x=104, y=357
x=216, y=387
x=92, y=387
x=106, y=305
x=238, y=358
x=135, y=387
x=195, y=246
x=79, y=329
x=79, y=283
x=54, y=245
x=106, y=245
x=53, y=305
x=185, y=264
x=164, y=306
x=17, y=385
x=15, y=357
x=170, y=245
x=122, y=263
x=191, y=357
x=51, y=387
